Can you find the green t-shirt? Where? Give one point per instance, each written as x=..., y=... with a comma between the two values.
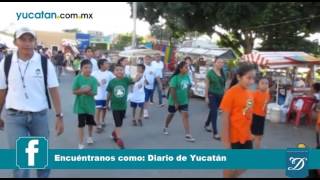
x=119, y=90
x=76, y=64
x=181, y=84
x=84, y=104
x=216, y=83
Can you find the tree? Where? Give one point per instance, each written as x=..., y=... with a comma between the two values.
x=244, y=22
x=124, y=40
x=161, y=32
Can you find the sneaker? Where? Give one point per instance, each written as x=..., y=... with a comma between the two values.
x=120, y=143
x=151, y=103
x=162, y=105
x=81, y=146
x=146, y=114
x=207, y=129
x=165, y=131
x=140, y=122
x=114, y=136
x=216, y=137
x=103, y=124
x=189, y=138
x=90, y=140
x=134, y=123
x=99, y=129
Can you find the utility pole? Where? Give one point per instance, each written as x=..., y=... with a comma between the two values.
x=134, y=13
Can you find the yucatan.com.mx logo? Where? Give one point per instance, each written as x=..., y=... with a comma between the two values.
x=52, y=15
x=297, y=163
x=32, y=153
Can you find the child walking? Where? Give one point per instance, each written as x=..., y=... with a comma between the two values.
x=261, y=97
x=118, y=93
x=85, y=88
x=138, y=97
x=236, y=109
x=104, y=77
x=178, y=99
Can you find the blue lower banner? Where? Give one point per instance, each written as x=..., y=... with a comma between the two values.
x=159, y=159
x=33, y=153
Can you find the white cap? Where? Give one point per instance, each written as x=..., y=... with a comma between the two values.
x=22, y=31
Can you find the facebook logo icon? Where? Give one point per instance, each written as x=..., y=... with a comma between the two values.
x=32, y=153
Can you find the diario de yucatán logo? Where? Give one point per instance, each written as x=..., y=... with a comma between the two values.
x=32, y=153
x=297, y=163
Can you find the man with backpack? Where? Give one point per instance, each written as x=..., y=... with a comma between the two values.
x=26, y=79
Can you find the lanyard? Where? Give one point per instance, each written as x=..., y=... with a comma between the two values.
x=23, y=78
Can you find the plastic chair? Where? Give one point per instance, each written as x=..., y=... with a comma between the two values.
x=307, y=108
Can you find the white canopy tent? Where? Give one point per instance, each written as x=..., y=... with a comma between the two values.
x=140, y=52
x=225, y=53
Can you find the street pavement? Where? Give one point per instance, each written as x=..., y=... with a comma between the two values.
x=150, y=136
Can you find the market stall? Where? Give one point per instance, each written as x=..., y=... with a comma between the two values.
x=283, y=68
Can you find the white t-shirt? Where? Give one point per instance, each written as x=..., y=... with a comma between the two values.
x=158, y=66
x=33, y=97
x=103, y=77
x=127, y=71
x=138, y=95
x=150, y=74
x=94, y=65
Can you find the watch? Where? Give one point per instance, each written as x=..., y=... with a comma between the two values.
x=59, y=115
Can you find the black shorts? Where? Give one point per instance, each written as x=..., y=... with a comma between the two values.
x=238, y=145
x=181, y=108
x=85, y=119
x=257, y=126
x=118, y=116
x=135, y=105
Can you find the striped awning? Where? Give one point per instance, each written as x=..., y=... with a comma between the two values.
x=280, y=59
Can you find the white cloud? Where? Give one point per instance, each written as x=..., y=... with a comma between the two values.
x=108, y=17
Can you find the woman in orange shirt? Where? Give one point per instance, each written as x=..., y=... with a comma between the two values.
x=236, y=109
x=261, y=98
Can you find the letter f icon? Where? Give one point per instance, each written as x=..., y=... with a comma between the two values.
x=31, y=151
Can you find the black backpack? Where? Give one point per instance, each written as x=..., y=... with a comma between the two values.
x=44, y=65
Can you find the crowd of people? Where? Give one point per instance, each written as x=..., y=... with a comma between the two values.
x=98, y=89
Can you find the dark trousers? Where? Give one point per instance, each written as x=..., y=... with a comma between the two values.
x=159, y=91
x=214, y=103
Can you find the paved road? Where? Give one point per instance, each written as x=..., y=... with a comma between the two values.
x=150, y=136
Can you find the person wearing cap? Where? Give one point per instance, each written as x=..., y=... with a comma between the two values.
x=25, y=95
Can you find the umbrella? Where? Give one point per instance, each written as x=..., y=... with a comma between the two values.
x=140, y=52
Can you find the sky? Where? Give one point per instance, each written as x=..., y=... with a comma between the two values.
x=108, y=17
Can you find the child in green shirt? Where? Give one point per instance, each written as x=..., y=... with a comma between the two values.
x=178, y=99
x=76, y=65
x=85, y=88
x=118, y=94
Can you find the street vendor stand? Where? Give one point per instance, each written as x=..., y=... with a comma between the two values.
x=285, y=61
